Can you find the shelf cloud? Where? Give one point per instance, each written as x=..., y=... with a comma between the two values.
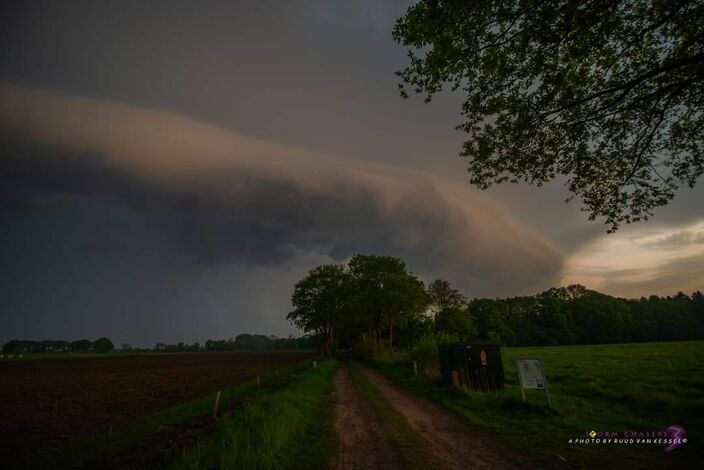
x=235, y=198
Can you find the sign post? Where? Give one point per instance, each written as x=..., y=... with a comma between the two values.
x=531, y=376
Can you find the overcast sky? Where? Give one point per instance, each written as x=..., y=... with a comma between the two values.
x=170, y=169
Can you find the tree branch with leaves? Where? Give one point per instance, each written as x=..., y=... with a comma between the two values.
x=607, y=95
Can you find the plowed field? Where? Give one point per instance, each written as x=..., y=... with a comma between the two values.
x=45, y=403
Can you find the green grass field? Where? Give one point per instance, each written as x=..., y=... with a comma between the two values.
x=621, y=387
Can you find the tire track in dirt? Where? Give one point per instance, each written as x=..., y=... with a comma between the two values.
x=455, y=443
x=364, y=444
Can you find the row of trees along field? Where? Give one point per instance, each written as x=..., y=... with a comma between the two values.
x=376, y=299
x=17, y=346
x=240, y=342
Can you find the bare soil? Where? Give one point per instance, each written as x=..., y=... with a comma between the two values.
x=45, y=404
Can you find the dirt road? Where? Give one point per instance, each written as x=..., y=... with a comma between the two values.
x=451, y=441
x=363, y=439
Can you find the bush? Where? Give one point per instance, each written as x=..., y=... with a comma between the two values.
x=371, y=351
x=425, y=352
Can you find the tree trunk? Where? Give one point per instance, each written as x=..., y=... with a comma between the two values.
x=330, y=341
x=377, y=326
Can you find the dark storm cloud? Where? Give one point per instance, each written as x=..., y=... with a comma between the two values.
x=312, y=73
x=231, y=197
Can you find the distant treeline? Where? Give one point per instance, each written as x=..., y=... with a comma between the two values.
x=576, y=315
x=375, y=299
x=104, y=345
x=241, y=342
x=18, y=346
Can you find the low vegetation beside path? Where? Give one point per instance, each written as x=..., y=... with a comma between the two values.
x=619, y=387
x=290, y=427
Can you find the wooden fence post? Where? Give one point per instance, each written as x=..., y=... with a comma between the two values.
x=456, y=378
x=217, y=403
x=107, y=445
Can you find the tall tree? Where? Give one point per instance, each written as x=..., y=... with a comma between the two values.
x=385, y=293
x=456, y=322
x=553, y=321
x=608, y=94
x=410, y=300
x=600, y=318
x=487, y=316
x=319, y=302
x=448, y=306
x=443, y=297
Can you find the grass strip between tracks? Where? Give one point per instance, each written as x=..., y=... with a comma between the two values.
x=414, y=449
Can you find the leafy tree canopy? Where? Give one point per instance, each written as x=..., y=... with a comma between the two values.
x=103, y=345
x=444, y=297
x=319, y=302
x=371, y=295
x=608, y=94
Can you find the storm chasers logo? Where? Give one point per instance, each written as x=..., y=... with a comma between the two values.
x=677, y=435
x=672, y=438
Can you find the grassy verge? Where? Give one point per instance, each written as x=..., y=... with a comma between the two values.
x=414, y=449
x=624, y=387
x=291, y=427
x=94, y=449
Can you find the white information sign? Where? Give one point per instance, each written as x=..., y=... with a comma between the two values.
x=530, y=372
x=531, y=375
